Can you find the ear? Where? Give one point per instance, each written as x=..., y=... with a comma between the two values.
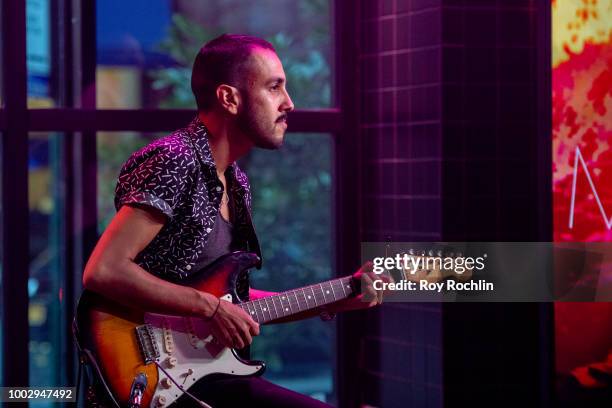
x=229, y=98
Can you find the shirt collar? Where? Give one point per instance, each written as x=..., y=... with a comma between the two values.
x=198, y=133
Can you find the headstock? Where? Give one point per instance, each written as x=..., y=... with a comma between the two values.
x=435, y=266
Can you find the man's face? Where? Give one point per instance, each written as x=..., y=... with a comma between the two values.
x=265, y=101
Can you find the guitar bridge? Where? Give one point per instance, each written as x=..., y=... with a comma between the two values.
x=147, y=343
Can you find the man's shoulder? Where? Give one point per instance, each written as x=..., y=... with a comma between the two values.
x=175, y=145
x=174, y=149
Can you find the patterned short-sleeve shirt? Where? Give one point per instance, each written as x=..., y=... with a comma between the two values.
x=177, y=175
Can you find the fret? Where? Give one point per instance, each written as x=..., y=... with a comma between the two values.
x=305, y=299
x=348, y=285
x=273, y=305
x=245, y=307
x=335, y=285
x=286, y=310
x=256, y=304
x=340, y=283
x=322, y=298
x=326, y=293
x=297, y=301
x=249, y=309
x=279, y=311
x=253, y=311
x=314, y=296
x=331, y=285
x=342, y=286
x=265, y=308
x=268, y=306
x=276, y=310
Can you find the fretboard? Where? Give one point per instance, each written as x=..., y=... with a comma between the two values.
x=294, y=301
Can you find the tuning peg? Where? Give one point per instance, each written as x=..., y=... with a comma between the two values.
x=430, y=252
x=411, y=251
x=439, y=253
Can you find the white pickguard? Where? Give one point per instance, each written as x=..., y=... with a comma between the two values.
x=197, y=355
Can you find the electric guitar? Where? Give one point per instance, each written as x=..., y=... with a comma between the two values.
x=147, y=359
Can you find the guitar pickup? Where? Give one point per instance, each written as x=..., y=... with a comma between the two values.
x=168, y=340
x=147, y=343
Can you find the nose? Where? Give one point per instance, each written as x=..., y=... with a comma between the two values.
x=287, y=105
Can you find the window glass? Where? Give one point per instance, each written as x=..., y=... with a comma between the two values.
x=40, y=62
x=46, y=313
x=145, y=48
x=113, y=149
x=292, y=214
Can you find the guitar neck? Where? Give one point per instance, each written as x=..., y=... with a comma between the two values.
x=295, y=301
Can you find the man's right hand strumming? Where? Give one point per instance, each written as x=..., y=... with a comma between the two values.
x=231, y=326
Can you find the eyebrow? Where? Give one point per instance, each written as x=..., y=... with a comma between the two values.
x=275, y=81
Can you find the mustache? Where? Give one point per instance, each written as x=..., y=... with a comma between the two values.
x=282, y=118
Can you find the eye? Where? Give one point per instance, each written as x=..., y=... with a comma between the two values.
x=275, y=87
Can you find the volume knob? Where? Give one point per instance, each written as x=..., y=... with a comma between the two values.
x=171, y=362
x=160, y=401
x=166, y=383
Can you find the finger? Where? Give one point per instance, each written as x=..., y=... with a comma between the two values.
x=226, y=341
x=222, y=336
x=246, y=335
x=237, y=343
x=386, y=278
x=368, y=295
x=253, y=327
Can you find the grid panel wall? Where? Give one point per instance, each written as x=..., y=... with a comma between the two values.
x=400, y=128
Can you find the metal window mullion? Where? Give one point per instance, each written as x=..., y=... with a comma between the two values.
x=346, y=198
x=155, y=120
x=14, y=215
x=63, y=10
x=80, y=143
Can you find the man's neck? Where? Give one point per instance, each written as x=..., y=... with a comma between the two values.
x=227, y=144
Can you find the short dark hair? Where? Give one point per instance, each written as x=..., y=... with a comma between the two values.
x=221, y=61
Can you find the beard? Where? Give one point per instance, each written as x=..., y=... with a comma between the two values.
x=258, y=128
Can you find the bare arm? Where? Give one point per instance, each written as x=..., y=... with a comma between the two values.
x=112, y=272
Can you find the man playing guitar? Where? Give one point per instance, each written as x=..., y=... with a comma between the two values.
x=182, y=202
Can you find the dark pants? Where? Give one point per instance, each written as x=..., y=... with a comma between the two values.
x=251, y=392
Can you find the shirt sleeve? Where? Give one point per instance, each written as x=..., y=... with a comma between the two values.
x=156, y=177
